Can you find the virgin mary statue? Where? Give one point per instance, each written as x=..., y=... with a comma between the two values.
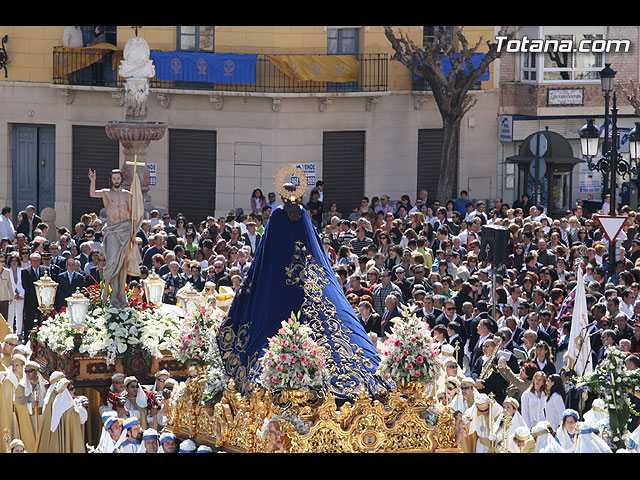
x=290, y=272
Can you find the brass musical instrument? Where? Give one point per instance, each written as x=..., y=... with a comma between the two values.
x=490, y=365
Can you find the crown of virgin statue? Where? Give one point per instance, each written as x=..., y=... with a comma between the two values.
x=291, y=183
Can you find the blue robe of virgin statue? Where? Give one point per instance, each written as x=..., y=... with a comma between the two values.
x=291, y=272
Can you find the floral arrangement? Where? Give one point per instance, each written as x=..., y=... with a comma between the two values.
x=293, y=360
x=410, y=353
x=177, y=393
x=94, y=294
x=196, y=341
x=612, y=382
x=111, y=331
x=215, y=379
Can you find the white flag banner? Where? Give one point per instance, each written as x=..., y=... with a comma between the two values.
x=578, y=354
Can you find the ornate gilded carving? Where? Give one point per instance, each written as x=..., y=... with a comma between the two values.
x=363, y=425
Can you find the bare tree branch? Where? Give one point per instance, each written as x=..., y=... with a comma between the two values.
x=632, y=94
x=450, y=92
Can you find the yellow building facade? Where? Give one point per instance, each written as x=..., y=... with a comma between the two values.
x=384, y=127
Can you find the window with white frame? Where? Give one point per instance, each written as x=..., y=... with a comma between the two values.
x=556, y=62
x=196, y=38
x=529, y=69
x=568, y=66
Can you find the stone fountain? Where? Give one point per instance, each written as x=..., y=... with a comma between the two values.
x=135, y=133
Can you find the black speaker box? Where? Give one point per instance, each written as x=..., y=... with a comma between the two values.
x=494, y=245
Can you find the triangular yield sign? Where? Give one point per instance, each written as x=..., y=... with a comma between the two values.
x=611, y=225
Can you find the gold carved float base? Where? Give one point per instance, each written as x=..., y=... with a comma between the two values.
x=234, y=424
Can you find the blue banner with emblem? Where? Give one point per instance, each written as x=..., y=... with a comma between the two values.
x=205, y=67
x=445, y=66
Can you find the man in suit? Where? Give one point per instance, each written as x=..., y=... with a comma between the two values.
x=56, y=257
x=174, y=281
x=79, y=238
x=484, y=330
x=391, y=311
x=550, y=330
x=516, y=331
x=508, y=344
x=251, y=237
x=449, y=313
x=52, y=269
x=83, y=256
x=427, y=312
x=29, y=276
x=494, y=382
x=530, y=265
x=483, y=313
x=533, y=323
x=167, y=226
x=456, y=341
x=68, y=282
x=545, y=257
x=157, y=245
x=609, y=341
x=143, y=232
x=32, y=219
x=368, y=317
x=418, y=271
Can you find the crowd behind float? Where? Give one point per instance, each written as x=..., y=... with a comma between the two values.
x=422, y=255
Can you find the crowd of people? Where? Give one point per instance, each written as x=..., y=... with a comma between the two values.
x=389, y=256
x=47, y=415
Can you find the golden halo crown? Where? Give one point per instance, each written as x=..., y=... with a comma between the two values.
x=286, y=175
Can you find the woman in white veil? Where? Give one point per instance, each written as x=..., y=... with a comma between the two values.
x=566, y=434
x=454, y=395
x=588, y=440
x=545, y=441
x=598, y=415
x=521, y=441
x=511, y=415
x=633, y=441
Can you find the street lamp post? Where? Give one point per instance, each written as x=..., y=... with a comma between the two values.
x=607, y=78
x=611, y=162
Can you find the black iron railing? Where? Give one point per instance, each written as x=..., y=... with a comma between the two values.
x=86, y=66
x=100, y=68
x=421, y=85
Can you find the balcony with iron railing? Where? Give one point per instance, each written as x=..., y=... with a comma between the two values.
x=99, y=67
x=422, y=85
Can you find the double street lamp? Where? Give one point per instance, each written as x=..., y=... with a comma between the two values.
x=611, y=163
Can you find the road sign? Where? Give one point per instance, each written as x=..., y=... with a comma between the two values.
x=533, y=144
x=542, y=168
x=611, y=226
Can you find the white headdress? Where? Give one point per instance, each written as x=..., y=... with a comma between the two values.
x=148, y=434
x=141, y=398
x=28, y=387
x=54, y=378
x=588, y=440
x=187, y=446
x=62, y=403
x=545, y=442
